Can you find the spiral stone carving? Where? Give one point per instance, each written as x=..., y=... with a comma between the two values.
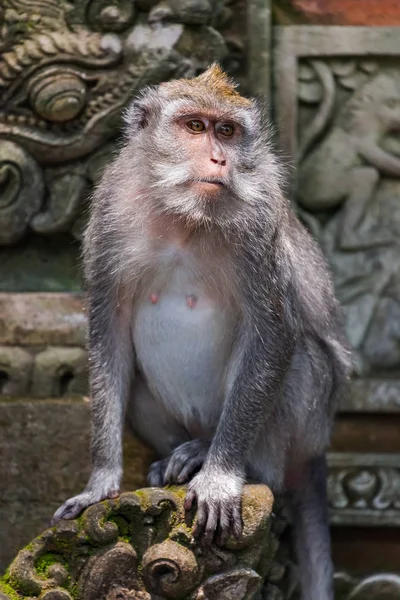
x=21, y=191
x=170, y=569
x=58, y=96
x=140, y=546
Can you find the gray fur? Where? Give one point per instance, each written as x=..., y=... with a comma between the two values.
x=245, y=384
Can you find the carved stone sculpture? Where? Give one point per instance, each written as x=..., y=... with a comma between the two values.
x=340, y=115
x=140, y=546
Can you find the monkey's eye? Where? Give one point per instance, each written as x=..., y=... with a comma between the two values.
x=196, y=125
x=226, y=129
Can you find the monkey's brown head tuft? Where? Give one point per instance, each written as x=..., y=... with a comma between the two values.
x=214, y=81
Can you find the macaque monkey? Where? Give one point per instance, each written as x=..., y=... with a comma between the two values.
x=213, y=327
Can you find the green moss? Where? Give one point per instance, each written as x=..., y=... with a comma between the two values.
x=7, y=589
x=16, y=585
x=73, y=590
x=122, y=526
x=46, y=560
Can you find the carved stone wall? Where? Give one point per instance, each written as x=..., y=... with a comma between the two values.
x=337, y=105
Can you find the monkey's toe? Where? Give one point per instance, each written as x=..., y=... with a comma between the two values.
x=185, y=461
x=70, y=509
x=155, y=476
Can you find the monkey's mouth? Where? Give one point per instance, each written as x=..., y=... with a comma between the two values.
x=210, y=182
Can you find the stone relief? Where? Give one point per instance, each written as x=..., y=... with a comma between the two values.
x=349, y=177
x=341, y=97
x=372, y=587
x=67, y=69
x=140, y=546
x=364, y=489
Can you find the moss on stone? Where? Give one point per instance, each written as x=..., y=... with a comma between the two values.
x=122, y=526
x=46, y=560
x=7, y=586
x=7, y=589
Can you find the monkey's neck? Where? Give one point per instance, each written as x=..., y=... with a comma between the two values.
x=172, y=229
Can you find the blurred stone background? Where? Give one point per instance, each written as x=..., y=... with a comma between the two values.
x=67, y=69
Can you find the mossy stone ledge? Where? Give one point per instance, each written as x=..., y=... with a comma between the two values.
x=140, y=546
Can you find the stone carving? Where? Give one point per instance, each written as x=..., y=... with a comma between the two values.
x=373, y=587
x=140, y=546
x=66, y=72
x=340, y=113
x=42, y=350
x=364, y=489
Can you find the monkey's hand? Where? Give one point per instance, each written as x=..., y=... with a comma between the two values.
x=100, y=487
x=180, y=466
x=218, y=496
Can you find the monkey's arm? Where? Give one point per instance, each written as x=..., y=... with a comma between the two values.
x=111, y=366
x=268, y=343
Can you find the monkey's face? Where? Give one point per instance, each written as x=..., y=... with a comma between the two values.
x=201, y=160
x=200, y=156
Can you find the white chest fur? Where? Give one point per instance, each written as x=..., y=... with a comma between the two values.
x=183, y=335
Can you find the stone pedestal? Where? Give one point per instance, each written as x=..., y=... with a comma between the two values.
x=140, y=546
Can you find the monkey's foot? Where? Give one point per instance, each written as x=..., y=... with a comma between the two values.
x=155, y=476
x=72, y=507
x=180, y=466
x=218, y=497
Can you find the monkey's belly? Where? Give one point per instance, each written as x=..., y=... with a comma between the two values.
x=183, y=344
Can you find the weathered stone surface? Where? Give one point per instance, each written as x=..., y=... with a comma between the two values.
x=141, y=546
x=44, y=459
x=42, y=319
x=16, y=367
x=337, y=12
x=60, y=372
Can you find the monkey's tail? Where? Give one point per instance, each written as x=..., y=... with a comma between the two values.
x=311, y=532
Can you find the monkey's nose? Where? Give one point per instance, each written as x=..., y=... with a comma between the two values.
x=221, y=162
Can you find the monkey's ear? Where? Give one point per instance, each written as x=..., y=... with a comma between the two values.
x=137, y=115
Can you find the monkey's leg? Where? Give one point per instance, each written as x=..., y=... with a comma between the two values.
x=362, y=187
x=150, y=421
x=311, y=531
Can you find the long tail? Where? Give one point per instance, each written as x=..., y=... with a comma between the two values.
x=311, y=532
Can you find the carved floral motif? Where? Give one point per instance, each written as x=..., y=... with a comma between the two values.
x=140, y=546
x=364, y=489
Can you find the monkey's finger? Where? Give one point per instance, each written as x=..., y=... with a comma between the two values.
x=201, y=520
x=236, y=520
x=224, y=525
x=172, y=470
x=190, y=498
x=189, y=469
x=155, y=474
x=69, y=510
x=113, y=494
x=212, y=523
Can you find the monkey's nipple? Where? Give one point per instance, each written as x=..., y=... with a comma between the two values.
x=153, y=298
x=191, y=300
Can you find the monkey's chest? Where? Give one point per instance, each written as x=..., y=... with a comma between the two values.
x=183, y=339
